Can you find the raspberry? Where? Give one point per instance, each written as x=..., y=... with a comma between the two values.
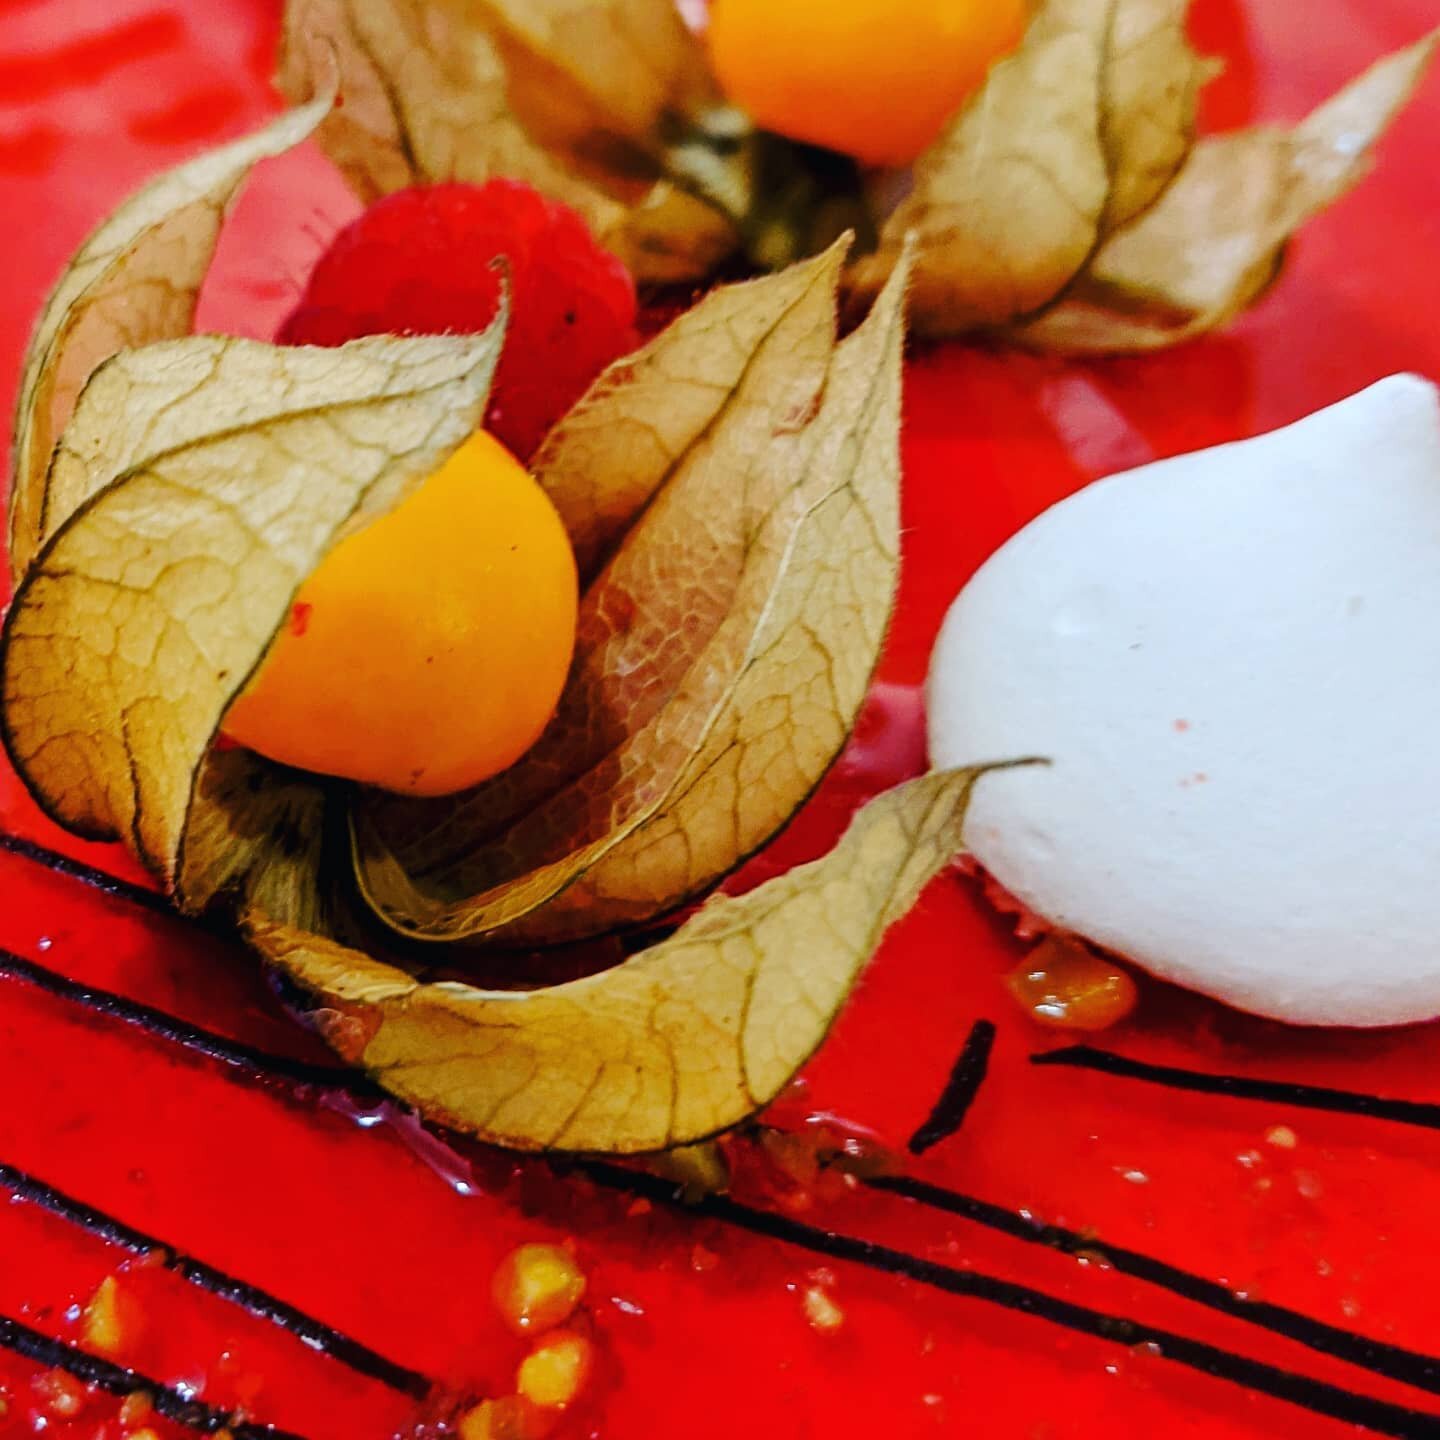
x=419, y=262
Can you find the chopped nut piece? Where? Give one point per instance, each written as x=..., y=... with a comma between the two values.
x=106, y=1322
x=1282, y=1137
x=821, y=1310
x=555, y=1371
x=135, y=1409
x=60, y=1393
x=509, y=1418
x=537, y=1287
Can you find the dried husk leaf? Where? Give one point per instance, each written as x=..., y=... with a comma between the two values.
x=1007, y=205
x=135, y=280
x=1215, y=240
x=257, y=838
x=425, y=99
x=1069, y=207
x=605, y=461
x=596, y=79
x=440, y=90
x=679, y=1043
x=237, y=467
x=724, y=653
x=1152, y=80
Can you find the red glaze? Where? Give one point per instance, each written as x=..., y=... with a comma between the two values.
x=702, y=1329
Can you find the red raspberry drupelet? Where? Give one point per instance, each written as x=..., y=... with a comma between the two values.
x=423, y=262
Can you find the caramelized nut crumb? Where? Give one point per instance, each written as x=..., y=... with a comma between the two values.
x=509, y=1418
x=537, y=1287
x=60, y=1393
x=821, y=1310
x=103, y=1325
x=135, y=1409
x=555, y=1371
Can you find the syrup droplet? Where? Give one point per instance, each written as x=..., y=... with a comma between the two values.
x=1065, y=984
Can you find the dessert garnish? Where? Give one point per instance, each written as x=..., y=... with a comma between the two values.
x=729, y=494
x=903, y=70
x=1220, y=656
x=1066, y=202
x=418, y=263
x=427, y=651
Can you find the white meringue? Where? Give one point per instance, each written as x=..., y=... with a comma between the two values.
x=1232, y=660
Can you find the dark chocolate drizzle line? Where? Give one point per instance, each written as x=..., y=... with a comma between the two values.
x=1393, y=1361
x=170, y=1027
x=315, y=1333
x=1317, y=1396
x=960, y=1090
x=116, y=1380
x=1239, y=1087
x=96, y=879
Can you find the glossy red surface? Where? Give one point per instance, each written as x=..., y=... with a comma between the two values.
x=702, y=1327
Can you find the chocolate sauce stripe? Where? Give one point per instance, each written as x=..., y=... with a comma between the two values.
x=960, y=1089
x=260, y=1303
x=1311, y=1097
x=1410, y=1367
x=116, y=1380
x=1422, y=1113
x=172, y=1027
x=96, y=879
x=1317, y=1396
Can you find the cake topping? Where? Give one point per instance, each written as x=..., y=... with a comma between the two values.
x=433, y=261
x=1066, y=199
x=554, y=1373
x=1223, y=657
x=538, y=1287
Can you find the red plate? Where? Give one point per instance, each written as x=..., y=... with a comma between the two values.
x=382, y=1242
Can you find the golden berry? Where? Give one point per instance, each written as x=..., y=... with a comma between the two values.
x=428, y=650
x=872, y=78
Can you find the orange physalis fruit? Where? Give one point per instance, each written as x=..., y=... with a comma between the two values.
x=873, y=78
x=428, y=650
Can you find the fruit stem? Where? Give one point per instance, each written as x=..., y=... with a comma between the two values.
x=788, y=200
